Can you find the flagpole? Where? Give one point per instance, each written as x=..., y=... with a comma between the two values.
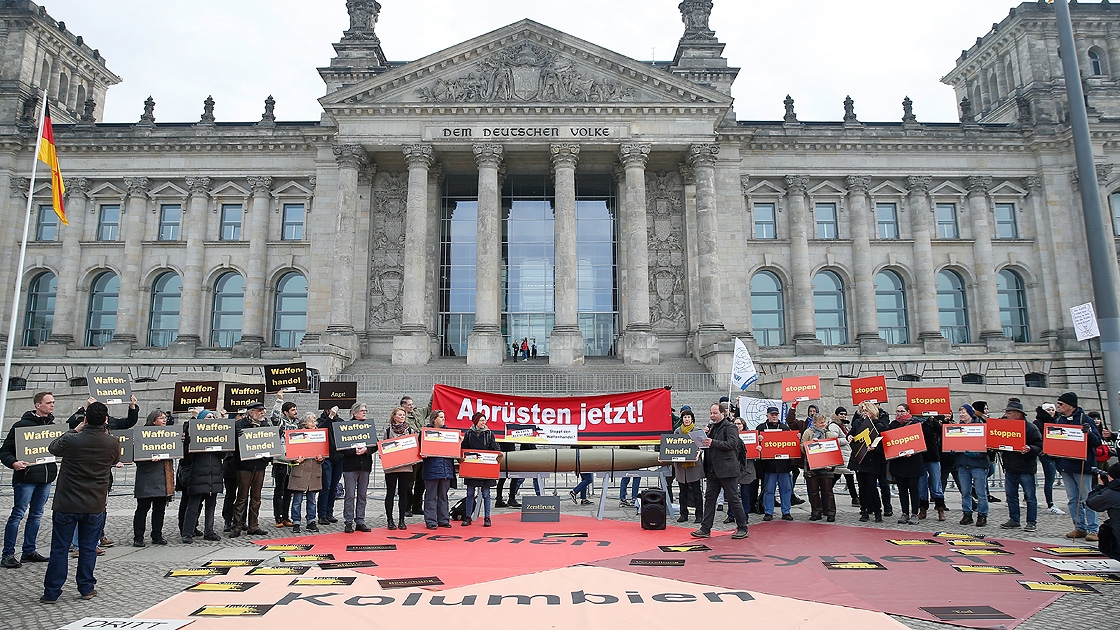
x=731, y=378
x=19, y=270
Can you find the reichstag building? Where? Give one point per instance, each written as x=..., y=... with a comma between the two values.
x=528, y=184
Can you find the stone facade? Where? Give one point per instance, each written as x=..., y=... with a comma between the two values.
x=705, y=203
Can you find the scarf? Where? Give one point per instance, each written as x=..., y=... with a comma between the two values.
x=399, y=429
x=818, y=434
x=686, y=429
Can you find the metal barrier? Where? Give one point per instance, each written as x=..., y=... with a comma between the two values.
x=535, y=383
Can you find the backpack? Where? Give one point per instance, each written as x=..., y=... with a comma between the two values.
x=459, y=510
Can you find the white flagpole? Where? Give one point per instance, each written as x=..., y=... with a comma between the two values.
x=14, y=317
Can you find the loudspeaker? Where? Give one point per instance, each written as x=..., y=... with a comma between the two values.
x=653, y=508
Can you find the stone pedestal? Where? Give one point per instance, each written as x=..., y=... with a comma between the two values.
x=711, y=334
x=807, y=346
x=934, y=343
x=485, y=346
x=248, y=347
x=719, y=359
x=56, y=346
x=996, y=342
x=565, y=347
x=183, y=347
x=412, y=347
x=120, y=346
x=640, y=346
x=871, y=344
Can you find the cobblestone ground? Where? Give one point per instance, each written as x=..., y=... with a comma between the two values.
x=131, y=579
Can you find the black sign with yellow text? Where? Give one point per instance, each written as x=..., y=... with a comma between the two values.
x=32, y=442
x=291, y=377
x=154, y=442
x=233, y=610
x=195, y=394
x=111, y=389
x=222, y=587
x=238, y=396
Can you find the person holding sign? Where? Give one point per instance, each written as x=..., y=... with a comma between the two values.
x=819, y=482
x=479, y=437
x=306, y=480
x=153, y=488
x=907, y=470
x=867, y=458
x=31, y=485
x=689, y=474
x=398, y=481
x=1076, y=472
x=357, y=464
x=286, y=415
x=205, y=480
x=972, y=470
x=776, y=473
x=250, y=479
x=1019, y=469
x=437, y=473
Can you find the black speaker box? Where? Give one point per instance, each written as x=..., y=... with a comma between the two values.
x=653, y=508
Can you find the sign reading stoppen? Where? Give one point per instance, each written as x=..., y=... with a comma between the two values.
x=290, y=377
x=111, y=389
x=526, y=132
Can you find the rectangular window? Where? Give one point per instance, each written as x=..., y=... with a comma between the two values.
x=887, y=219
x=826, y=221
x=947, y=221
x=293, y=222
x=765, y=225
x=1006, y=226
x=109, y=223
x=46, y=225
x=231, y=222
x=170, y=216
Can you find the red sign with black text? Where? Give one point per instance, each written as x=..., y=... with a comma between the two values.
x=750, y=442
x=779, y=444
x=399, y=451
x=1007, y=435
x=801, y=388
x=873, y=388
x=959, y=438
x=904, y=441
x=1064, y=440
x=823, y=454
x=929, y=401
x=626, y=418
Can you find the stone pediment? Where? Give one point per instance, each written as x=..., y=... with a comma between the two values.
x=525, y=63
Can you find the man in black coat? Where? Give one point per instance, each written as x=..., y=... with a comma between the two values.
x=31, y=485
x=1019, y=468
x=1107, y=499
x=250, y=479
x=724, y=461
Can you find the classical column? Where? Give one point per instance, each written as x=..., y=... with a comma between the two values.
x=350, y=158
x=801, y=282
x=566, y=341
x=1045, y=238
x=924, y=293
x=252, y=326
x=866, y=320
x=639, y=343
x=987, y=299
x=702, y=158
x=432, y=248
x=67, y=312
x=132, y=235
x=191, y=304
x=413, y=346
x=485, y=345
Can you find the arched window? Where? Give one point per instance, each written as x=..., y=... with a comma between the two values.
x=45, y=75
x=1034, y=379
x=63, y=87
x=39, y=317
x=993, y=88
x=290, y=314
x=828, y=308
x=1013, y=306
x=1096, y=65
x=163, y=325
x=229, y=307
x=1009, y=77
x=80, y=101
x=909, y=378
x=890, y=304
x=952, y=308
x=767, y=309
x=102, y=319
x=972, y=379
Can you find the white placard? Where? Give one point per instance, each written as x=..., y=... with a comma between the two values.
x=120, y=623
x=1081, y=565
x=1084, y=321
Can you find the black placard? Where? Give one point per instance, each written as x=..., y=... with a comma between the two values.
x=964, y=613
x=683, y=548
x=290, y=377
x=258, y=442
x=127, y=446
x=342, y=395
x=155, y=442
x=540, y=509
x=211, y=434
x=347, y=564
x=238, y=396
x=222, y=587
x=353, y=433
x=678, y=448
x=357, y=548
x=642, y=562
x=197, y=572
x=111, y=389
x=195, y=394
x=293, y=570
x=32, y=443
x=410, y=582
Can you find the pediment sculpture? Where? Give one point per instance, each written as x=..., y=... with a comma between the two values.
x=526, y=73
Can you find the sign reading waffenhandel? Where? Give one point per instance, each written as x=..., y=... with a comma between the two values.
x=156, y=442
x=257, y=442
x=291, y=377
x=211, y=435
x=32, y=443
x=111, y=389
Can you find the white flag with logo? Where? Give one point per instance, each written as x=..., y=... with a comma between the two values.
x=742, y=367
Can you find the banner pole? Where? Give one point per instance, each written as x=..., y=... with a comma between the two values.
x=1097, y=382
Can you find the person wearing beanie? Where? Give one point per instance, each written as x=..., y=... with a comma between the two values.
x=1043, y=415
x=1107, y=499
x=1019, y=470
x=1076, y=475
x=840, y=419
x=972, y=470
x=153, y=488
x=203, y=475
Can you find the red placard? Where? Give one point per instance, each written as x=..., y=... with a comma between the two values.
x=440, y=443
x=480, y=464
x=801, y=388
x=873, y=388
x=750, y=442
x=1064, y=440
x=1005, y=434
x=823, y=454
x=779, y=444
x=929, y=401
x=399, y=451
x=904, y=441
x=306, y=443
x=958, y=438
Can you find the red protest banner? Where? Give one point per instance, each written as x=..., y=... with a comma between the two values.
x=928, y=401
x=480, y=465
x=399, y=451
x=1007, y=435
x=440, y=443
x=779, y=444
x=625, y=418
x=873, y=388
x=306, y=443
x=801, y=388
x=904, y=441
x=823, y=454
x=1064, y=440
x=750, y=442
x=958, y=438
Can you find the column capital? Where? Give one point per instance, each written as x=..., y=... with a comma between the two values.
x=705, y=154
x=796, y=184
x=488, y=154
x=634, y=154
x=858, y=184
x=350, y=155
x=978, y=183
x=77, y=186
x=260, y=185
x=137, y=186
x=688, y=174
x=919, y=184
x=1033, y=183
x=21, y=186
x=564, y=154
x=199, y=185
x=418, y=155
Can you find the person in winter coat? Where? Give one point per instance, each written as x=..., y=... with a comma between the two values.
x=31, y=486
x=1076, y=473
x=724, y=465
x=479, y=437
x=747, y=476
x=840, y=422
x=398, y=481
x=930, y=486
x=972, y=470
x=1019, y=469
x=1047, y=414
x=689, y=474
x=357, y=464
x=907, y=470
x=776, y=473
x=305, y=481
x=437, y=473
x=867, y=458
x=819, y=481
x=205, y=480
x=1107, y=499
x=332, y=469
x=153, y=489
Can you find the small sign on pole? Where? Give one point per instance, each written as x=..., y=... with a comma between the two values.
x=1084, y=321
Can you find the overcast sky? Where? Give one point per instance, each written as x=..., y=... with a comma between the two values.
x=818, y=51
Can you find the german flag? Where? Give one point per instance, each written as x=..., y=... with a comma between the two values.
x=48, y=155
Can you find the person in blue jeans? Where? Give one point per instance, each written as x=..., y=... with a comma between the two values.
x=972, y=469
x=31, y=485
x=1076, y=475
x=332, y=470
x=1019, y=470
x=579, y=493
x=1042, y=416
x=776, y=473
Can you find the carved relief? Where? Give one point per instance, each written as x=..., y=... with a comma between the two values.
x=665, y=226
x=390, y=195
x=526, y=73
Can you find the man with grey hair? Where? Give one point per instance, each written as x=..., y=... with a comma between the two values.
x=357, y=464
x=250, y=479
x=725, y=458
